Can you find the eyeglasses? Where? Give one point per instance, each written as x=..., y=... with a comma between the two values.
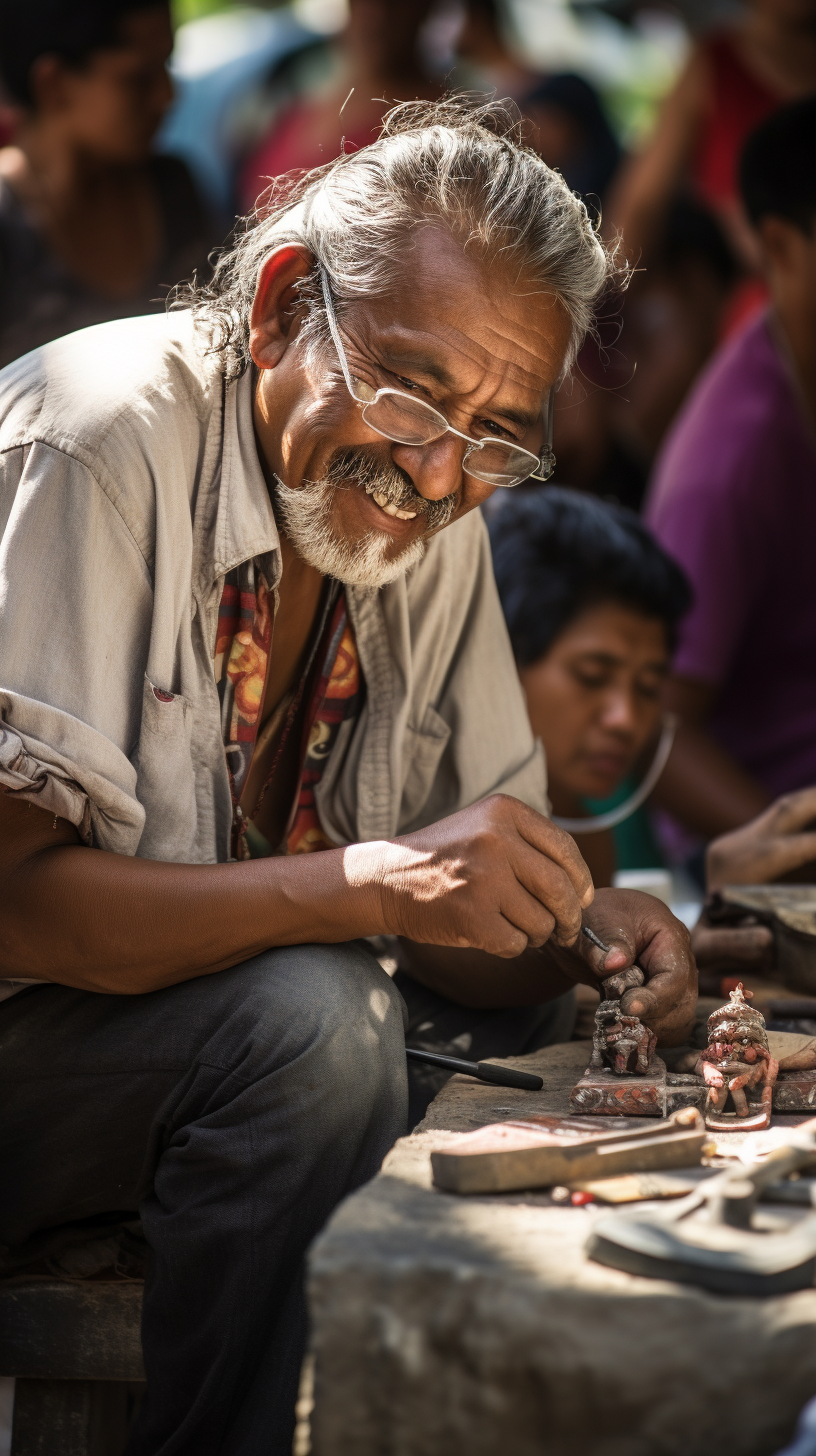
x=410, y=421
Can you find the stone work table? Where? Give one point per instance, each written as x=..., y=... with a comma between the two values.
x=444, y=1324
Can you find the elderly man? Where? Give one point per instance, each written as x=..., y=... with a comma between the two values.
x=236, y=631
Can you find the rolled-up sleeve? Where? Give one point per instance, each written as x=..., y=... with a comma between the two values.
x=75, y=606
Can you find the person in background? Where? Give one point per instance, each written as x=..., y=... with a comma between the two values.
x=633, y=374
x=778, y=846
x=571, y=131
x=734, y=502
x=592, y=606
x=376, y=61
x=485, y=61
x=92, y=226
x=733, y=80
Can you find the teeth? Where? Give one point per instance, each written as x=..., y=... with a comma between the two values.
x=390, y=509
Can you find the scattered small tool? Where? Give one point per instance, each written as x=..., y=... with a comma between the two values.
x=521, y=1153
x=640, y=1187
x=482, y=1071
x=723, y=1248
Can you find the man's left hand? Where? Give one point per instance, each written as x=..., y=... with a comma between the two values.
x=639, y=927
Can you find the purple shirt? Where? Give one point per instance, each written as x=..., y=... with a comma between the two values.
x=734, y=501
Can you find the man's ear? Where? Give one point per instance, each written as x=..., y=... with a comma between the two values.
x=276, y=307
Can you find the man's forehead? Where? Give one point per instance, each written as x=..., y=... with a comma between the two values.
x=462, y=322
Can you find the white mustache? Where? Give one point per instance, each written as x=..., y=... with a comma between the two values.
x=393, y=491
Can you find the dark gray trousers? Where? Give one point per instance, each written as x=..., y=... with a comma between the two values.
x=234, y=1112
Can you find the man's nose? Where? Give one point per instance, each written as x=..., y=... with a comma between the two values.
x=435, y=469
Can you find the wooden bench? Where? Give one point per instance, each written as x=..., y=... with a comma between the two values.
x=74, y=1349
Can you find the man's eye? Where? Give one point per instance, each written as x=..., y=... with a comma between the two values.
x=491, y=427
x=406, y=383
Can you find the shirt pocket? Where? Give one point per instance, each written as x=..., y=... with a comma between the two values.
x=165, y=776
x=422, y=751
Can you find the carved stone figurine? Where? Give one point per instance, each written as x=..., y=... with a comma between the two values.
x=616, y=1037
x=737, y=1057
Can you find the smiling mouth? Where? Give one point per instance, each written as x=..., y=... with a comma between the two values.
x=390, y=509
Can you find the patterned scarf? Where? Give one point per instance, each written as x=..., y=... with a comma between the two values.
x=241, y=657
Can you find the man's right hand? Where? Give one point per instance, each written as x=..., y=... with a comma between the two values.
x=497, y=877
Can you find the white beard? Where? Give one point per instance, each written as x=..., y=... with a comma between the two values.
x=306, y=519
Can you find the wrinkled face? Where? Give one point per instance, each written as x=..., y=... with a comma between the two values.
x=594, y=698
x=483, y=348
x=112, y=107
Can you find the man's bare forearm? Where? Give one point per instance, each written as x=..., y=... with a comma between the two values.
x=474, y=978
x=108, y=922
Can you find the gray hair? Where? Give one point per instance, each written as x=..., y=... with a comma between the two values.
x=460, y=163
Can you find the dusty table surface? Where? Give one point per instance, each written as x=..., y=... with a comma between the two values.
x=443, y=1323
x=464, y=1103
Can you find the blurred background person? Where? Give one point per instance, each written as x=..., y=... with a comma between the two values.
x=613, y=412
x=676, y=203
x=734, y=502
x=92, y=225
x=778, y=846
x=485, y=60
x=571, y=131
x=375, y=61
x=592, y=606
x=734, y=78
x=671, y=326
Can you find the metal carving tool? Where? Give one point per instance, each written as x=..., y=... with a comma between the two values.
x=482, y=1071
x=723, y=1248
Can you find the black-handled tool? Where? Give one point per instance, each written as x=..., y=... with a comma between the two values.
x=483, y=1071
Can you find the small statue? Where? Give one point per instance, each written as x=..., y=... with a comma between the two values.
x=737, y=1057
x=616, y=1037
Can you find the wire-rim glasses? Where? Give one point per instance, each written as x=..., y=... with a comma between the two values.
x=410, y=421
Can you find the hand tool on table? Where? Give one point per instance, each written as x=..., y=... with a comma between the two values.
x=482, y=1071
x=528, y=1152
x=712, y=1238
x=613, y=988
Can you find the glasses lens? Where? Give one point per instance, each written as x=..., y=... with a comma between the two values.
x=403, y=419
x=498, y=464
x=362, y=391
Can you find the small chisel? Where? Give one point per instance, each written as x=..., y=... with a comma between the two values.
x=483, y=1071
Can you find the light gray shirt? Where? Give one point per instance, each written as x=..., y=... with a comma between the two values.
x=129, y=486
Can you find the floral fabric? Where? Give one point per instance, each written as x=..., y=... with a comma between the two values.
x=336, y=696
x=241, y=656
x=332, y=679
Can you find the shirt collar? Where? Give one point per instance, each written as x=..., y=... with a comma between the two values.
x=245, y=523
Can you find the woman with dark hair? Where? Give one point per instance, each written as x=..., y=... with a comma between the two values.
x=92, y=226
x=592, y=605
